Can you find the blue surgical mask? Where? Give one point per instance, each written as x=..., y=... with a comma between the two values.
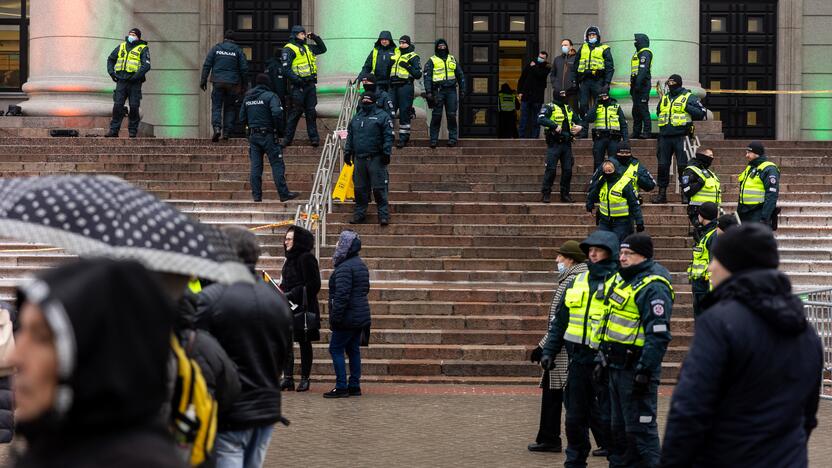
x=539, y=60
x=565, y=49
x=131, y=39
x=593, y=40
x=561, y=267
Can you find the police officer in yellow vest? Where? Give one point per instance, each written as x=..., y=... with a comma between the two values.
x=633, y=339
x=559, y=122
x=699, y=185
x=127, y=65
x=406, y=68
x=380, y=60
x=300, y=67
x=610, y=128
x=677, y=110
x=507, y=105
x=698, y=275
x=759, y=187
x=594, y=71
x=617, y=202
x=582, y=306
x=640, y=78
x=442, y=75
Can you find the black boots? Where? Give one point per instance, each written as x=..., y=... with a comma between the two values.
x=287, y=384
x=304, y=384
x=217, y=132
x=546, y=197
x=660, y=197
x=565, y=198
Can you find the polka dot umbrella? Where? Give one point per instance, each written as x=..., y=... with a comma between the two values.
x=106, y=216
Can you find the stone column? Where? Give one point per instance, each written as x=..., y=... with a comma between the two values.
x=789, y=68
x=69, y=44
x=350, y=28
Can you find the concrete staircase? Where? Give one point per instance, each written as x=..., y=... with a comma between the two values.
x=463, y=277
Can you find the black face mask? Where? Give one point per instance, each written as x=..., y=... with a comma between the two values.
x=704, y=160
x=674, y=87
x=367, y=105
x=604, y=101
x=609, y=176
x=370, y=87
x=624, y=159
x=636, y=45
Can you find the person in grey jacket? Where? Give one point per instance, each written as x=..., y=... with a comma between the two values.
x=562, y=76
x=227, y=65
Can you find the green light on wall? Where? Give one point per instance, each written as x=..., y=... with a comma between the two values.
x=174, y=109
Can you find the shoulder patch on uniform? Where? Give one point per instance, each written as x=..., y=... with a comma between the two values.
x=772, y=180
x=658, y=310
x=643, y=58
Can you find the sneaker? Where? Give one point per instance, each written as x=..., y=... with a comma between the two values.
x=545, y=447
x=354, y=391
x=337, y=393
x=289, y=196
x=217, y=132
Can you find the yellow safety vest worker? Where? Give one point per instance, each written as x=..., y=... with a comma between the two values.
x=606, y=117
x=586, y=310
x=129, y=61
x=303, y=65
x=698, y=269
x=557, y=114
x=623, y=322
x=635, y=62
x=506, y=102
x=592, y=60
x=752, y=190
x=709, y=192
x=444, y=70
x=632, y=173
x=399, y=60
x=612, y=203
x=674, y=112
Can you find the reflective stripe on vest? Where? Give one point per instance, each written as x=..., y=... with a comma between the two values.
x=674, y=111
x=592, y=60
x=635, y=62
x=304, y=65
x=585, y=311
x=701, y=258
x=506, y=102
x=710, y=191
x=398, y=60
x=752, y=190
x=129, y=61
x=557, y=114
x=623, y=323
x=441, y=71
x=632, y=173
x=612, y=203
x=606, y=118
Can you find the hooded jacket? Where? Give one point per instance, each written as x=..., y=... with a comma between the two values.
x=300, y=270
x=598, y=181
x=288, y=55
x=384, y=60
x=144, y=58
x=349, y=286
x=748, y=390
x=641, y=81
x=261, y=108
x=609, y=66
x=226, y=63
x=113, y=367
x=459, y=77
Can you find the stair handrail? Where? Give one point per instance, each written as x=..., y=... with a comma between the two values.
x=312, y=215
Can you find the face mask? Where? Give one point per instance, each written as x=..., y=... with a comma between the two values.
x=674, y=86
x=609, y=176
x=132, y=39
x=704, y=160
x=561, y=267
x=370, y=86
x=624, y=158
x=565, y=49
x=593, y=40
x=540, y=60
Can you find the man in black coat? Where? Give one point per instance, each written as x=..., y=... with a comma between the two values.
x=227, y=65
x=127, y=65
x=380, y=60
x=749, y=387
x=530, y=89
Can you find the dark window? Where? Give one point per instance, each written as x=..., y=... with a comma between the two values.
x=14, y=44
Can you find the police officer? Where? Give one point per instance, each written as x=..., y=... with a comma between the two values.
x=300, y=67
x=579, y=312
x=369, y=144
x=699, y=185
x=634, y=337
x=507, y=105
x=261, y=112
x=557, y=118
x=383, y=100
x=274, y=68
x=634, y=170
x=594, y=71
x=759, y=187
x=441, y=75
x=640, y=79
x=677, y=110
x=127, y=65
x=610, y=128
x=698, y=274
x=228, y=67
x=380, y=61
x=406, y=68
x=618, y=205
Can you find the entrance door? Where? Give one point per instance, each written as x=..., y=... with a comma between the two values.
x=263, y=27
x=738, y=51
x=496, y=37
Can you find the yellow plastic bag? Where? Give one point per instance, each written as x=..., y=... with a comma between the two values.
x=344, y=190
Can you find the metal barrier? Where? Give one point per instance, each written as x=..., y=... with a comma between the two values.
x=691, y=145
x=312, y=215
x=818, y=306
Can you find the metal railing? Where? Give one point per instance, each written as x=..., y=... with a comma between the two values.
x=691, y=144
x=312, y=215
x=818, y=306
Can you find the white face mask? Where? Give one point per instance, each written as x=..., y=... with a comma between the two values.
x=565, y=49
x=561, y=267
x=132, y=39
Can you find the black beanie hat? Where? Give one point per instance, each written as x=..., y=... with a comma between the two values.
x=639, y=243
x=368, y=95
x=727, y=221
x=677, y=79
x=405, y=38
x=756, y=147
x=137, y=31
x=624, y=147
x=230, y=35
x=709, y=211
x=263, y=79
x=748, y=247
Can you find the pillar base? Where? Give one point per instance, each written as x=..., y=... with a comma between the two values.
x=68, y=97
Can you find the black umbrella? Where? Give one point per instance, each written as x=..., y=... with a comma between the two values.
x=105, y=216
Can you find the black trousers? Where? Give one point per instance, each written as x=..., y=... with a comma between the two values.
x=558, y=152
x=641, y=111
x=305, y=360
x=551, y=407
x=130, y=92
x=668, y=146
x=699, y=288
x=603, y=147
x=304, y=99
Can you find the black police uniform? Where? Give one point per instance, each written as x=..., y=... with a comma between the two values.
x=227, y=65
x=369, y=145
x=605, y=142
x=590, y=83
x=640, y=88
x=402, y=92
x=444, y=94
x=622, y=226
x=304, y=96
x=128, y=88
x=671, y=139
x=384, y=61
x=691, y=184
x=762, y=213
x=558, y=147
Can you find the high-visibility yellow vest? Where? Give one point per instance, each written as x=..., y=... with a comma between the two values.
x=606, y=117
x=129, y=61
x=698, y=269
x=623, y=323
x=586, y=310
x=558, y=115
x=443, y=70
x=195, y=285
x=399, y=60
x=634, y=63
x=592, y=60
x=632, y=173
x=612, y=203
x=506, y=102
x=709, y=192
x=752, y=190
x=674, y=112
x=304, y=65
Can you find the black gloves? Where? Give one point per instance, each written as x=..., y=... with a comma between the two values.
x=348, y=159
x=114, y=77
x=385, y=159
x=537, y=353
x=203, y=85
x=639, y=228
x=641, y=383
x=547, y=362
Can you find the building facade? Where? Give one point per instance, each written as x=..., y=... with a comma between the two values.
x=53, y=53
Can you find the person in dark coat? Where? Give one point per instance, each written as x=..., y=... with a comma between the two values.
x=507, y=112
x=128, y=65
x=593, y=71
x=301, y=275
x=530, y=89
x=562, y=77
x=748, y=390
x=443, y=79
x=8, y=321
x=92, y=357
x=253, y=325
x=349, y=313
x=380, y=60
x=383, y=100
x=616, y=201
x=301, y=69
x=227, y=65
x=640, y=79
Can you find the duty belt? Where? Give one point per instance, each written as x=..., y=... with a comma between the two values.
x=263, y=131
x=621, y=355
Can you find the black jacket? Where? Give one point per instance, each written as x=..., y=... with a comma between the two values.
x=642, y=79
x=6, y=397
x=144, y=58
x=562, y=77
x=609, y=67
x=692, y=183
x=384, y=60
x=694, y=107
x=771, y=183
x=550, y=127
x=748, y=390
x=592, y=115
x=532, y=82
x=226, y=63
x=593, y=196
x=301, y=270
x=349, y=285
x=288, y=56
x=370, y=132
x=253, y=325
x=274, y=68
x=427, y=76
x=261, y=109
